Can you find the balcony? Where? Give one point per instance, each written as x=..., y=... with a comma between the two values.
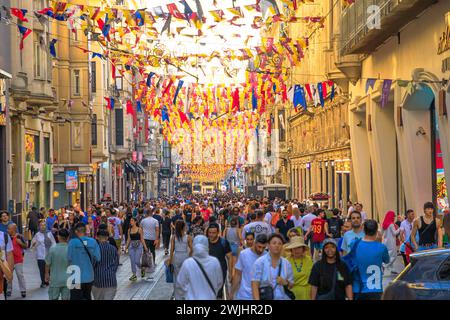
x=358, y=38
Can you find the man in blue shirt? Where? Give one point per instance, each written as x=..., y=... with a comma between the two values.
x=357, y=232
x=369, y=257
x=4, y=221
x=82, y=252
x=50, y=221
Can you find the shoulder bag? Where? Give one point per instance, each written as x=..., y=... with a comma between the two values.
x=331, y=295
x=87, y=250
x=206, y=276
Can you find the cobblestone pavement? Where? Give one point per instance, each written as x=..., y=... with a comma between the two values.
x=154, y=288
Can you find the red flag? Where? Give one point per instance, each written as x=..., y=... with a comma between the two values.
x=130, y=109
x=183, y=116
x=19, y=13
x=324, y=89
x=175, y=12
x=24, y=32
x=236, y=105
x=308, y=89
x=166, y=90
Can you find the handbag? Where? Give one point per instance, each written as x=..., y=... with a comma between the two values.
x=147, y=262
x=268, y=292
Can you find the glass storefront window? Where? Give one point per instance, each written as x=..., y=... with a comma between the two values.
x=32, y=148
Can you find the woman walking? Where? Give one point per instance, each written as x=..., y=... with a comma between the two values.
x=180, y=250
x=234, y=236
x=41, y=243
x=301, y=263
x=135, y=244
x=272, y=270
x=390, y=232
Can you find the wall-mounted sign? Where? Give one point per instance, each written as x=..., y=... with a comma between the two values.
x=32, y=172
x=342, y=166
x=444, y=40
x=71, y=179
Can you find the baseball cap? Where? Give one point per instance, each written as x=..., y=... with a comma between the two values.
x=328, y=241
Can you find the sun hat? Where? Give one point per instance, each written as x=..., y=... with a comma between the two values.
x=296, y=242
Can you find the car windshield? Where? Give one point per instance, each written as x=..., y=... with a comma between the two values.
x=423, y=269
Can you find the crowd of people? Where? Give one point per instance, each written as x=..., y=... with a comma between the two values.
x=225, y=246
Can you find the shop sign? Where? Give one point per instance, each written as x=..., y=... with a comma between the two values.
x=444, y=40
x=71, y=179
x=33, y=172
x=342, y=166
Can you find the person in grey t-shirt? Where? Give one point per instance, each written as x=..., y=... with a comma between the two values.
x=150, y=227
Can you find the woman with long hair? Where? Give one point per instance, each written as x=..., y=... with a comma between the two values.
x=180, y=250
x=233, y=233
x=135, y=245
x=390, y=232
x=330, y=277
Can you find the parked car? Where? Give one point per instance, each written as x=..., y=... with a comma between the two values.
x=428, y=274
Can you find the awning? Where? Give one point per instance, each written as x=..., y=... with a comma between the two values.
x=140, y=168
x=129, y=167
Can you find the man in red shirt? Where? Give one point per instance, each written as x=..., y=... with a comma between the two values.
x=205, y=213
x=19, y=245
x=319, y=228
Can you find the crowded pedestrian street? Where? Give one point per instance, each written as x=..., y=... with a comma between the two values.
x=181, y=151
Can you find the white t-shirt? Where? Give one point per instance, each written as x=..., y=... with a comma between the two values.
x=363, y=216
x=245, y=264
x=149, y=226
x=116, y=222
x=297, y=222
x=9, y=246
x=406, y=227
x=41, y=250
x=257, y=227
x=306, y=221
x=350, y=210
x=268, y=217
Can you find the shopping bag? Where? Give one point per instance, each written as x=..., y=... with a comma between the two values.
x=147, y=262
x=169, y=273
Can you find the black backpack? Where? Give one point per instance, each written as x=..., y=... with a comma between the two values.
x=334, y=227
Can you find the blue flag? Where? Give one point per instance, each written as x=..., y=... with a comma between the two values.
x=254, y=100
x=299, y=96
x=138, y=106
x=165, y=115
x=180, y=84
x=149, y=79
x=332, y=93
x=320, y=89
x=52, y=48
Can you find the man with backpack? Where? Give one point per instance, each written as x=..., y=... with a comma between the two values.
x=368, y=256
x=335, y=224
x=221, y=249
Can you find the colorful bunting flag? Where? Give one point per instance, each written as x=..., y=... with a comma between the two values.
x=25, y=32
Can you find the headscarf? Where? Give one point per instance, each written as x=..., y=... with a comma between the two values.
x=389, y=219
x=200, y=247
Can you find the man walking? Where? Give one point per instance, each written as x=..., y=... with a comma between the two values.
x=150, y=228
x=4, y=221
x=284, y=225
x=19, y=245
x=369, y=257
x=33, y=222
x=257, y=227
x=56, y=266
x=83, y=252
x=105, y=280
x=219, y=248
x=241, y=288
x=357, y=232
x=406, y=227
x=429, y=229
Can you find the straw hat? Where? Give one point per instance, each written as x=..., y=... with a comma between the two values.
x=296, y=242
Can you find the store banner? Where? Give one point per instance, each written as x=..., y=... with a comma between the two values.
x=386, y=91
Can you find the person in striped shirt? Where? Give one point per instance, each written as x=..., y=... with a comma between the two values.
x=105, y=281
